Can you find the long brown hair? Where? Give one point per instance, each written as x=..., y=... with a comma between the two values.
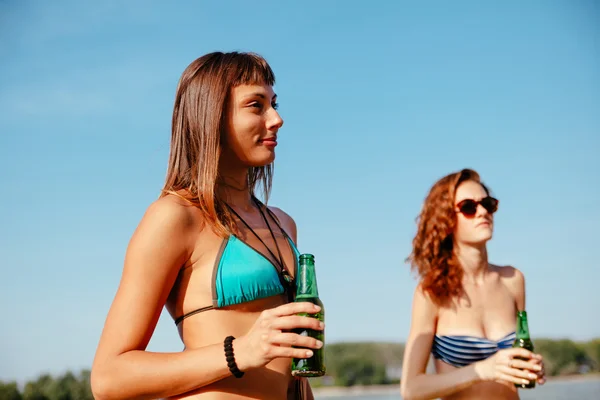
x=199, y=118
x=432, y=248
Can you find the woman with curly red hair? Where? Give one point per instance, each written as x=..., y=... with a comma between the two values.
x=464, y=308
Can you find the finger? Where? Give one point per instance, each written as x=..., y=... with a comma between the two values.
x=519, y=352
x=537, y=361
x=541, y=381
x=541, y=375
x=295, y=321
x=291, y=352
x=518, y=373
x=520, y=364
x=512, y=379
x=293, y=339
x=294, y=308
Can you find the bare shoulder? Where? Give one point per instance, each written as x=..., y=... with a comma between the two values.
x=170, y=212
x=157, y=250
x=424, y=316
x=286, y=221
x=423, y=302
x=510, y=275
x=514, y=280
x=168, y=220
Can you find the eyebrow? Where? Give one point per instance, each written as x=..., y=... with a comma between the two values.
x=261, y=95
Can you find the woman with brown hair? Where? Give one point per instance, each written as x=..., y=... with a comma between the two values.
x=464, y=308
x=221, y=261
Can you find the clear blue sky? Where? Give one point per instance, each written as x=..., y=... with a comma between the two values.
x=379, y=101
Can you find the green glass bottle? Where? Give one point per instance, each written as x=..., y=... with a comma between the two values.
x=523, y=340
x=307, y=290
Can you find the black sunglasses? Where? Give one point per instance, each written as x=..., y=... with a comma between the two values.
x=468, y=207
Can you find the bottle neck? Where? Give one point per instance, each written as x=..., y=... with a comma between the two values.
x=522, y=326
x=307, y=282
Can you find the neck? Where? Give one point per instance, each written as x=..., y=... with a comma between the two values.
x=473, y=260
x=232, y=187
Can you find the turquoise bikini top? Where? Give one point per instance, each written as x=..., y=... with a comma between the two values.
x=242, y=274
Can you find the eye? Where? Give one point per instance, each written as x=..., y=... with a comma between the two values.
x=256, y=104
x=275, y=106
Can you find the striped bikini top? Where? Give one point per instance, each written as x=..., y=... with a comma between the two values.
x=461, y=351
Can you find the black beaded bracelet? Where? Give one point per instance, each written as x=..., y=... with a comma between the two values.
x=227, y=344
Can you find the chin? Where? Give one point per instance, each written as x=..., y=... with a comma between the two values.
x=484, y=233
x=478, y=240
x=261, y=161
x=483, y=239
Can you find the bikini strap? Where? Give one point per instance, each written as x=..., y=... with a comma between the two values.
x=290, y=281
x=181, y=318
x=276, y=219
x=259, y=205
x=284, y=275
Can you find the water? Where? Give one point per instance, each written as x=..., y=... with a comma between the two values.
x=565, y=390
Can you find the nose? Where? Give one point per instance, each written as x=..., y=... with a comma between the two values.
x=481, y=211
x=274, y=121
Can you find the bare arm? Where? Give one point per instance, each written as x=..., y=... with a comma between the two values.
x=122, y=368
x=415, y=383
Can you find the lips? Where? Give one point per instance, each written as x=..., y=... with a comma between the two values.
x=272, y=141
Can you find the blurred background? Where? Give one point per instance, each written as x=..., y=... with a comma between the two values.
x=379, y=101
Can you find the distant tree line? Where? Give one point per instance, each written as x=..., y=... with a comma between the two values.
x=348, y=364
x=46, y=387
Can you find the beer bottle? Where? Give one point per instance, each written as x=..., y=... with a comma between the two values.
x=306, y=290
x=523, y=340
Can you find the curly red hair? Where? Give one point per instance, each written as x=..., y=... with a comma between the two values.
x=432, y=254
